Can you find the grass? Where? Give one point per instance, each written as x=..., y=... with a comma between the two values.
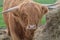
x=2, y=24
x=1, y=2
x=1, y=9
x=43, y=21
x=45, y=1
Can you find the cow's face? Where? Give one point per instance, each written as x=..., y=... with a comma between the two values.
x=31, y=13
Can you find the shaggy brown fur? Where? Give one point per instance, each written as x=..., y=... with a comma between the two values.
x=29, y=13
x=8, y=4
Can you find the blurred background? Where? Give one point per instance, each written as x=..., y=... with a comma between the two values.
x=43, y=21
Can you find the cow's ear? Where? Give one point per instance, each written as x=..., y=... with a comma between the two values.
x=44, y=9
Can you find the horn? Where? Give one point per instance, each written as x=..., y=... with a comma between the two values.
x=51, y=6
x=10, y=9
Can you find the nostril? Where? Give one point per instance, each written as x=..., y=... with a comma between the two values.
x=31, y=27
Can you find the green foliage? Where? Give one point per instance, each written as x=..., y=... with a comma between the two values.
x=1, y=9
x=1, y=21
x=1, y=2
x=43, y=21
x=1, y=18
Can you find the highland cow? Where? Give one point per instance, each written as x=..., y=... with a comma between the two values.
x=23, y=20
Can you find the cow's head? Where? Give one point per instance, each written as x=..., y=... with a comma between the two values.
x=30, y=13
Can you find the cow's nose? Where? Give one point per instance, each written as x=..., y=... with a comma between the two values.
x=31, y=27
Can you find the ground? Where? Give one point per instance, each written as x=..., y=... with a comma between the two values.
x=3, y=35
